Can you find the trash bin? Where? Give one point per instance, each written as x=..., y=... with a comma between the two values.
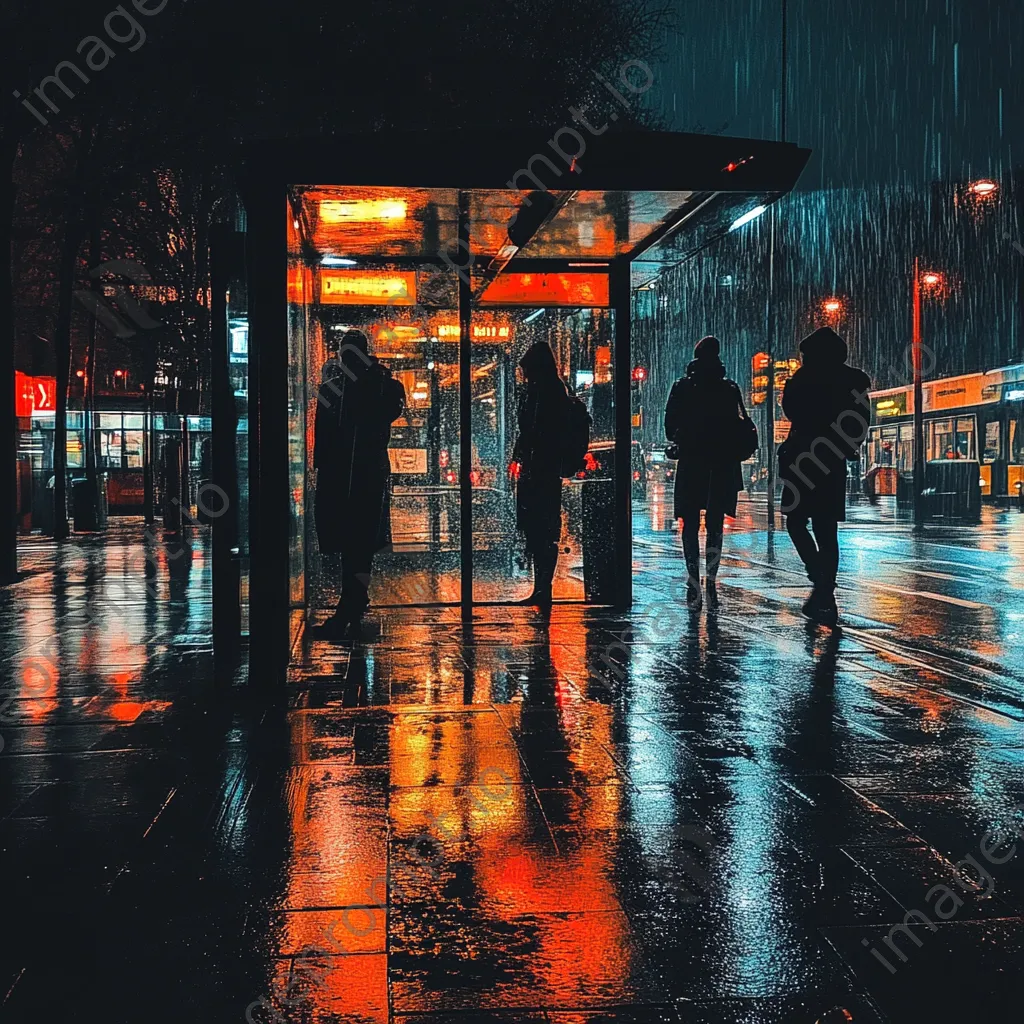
x=599, y=531
x=954, y=488
x=84, y=506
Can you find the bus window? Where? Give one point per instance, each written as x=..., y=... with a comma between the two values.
x=1016, y=452
x=887, y=455
x=905, y=450
x=991, y=442
x=965, y=446
x=951, y=439
x=940, y=440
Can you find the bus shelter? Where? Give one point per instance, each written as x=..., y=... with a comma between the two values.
x=453, y=252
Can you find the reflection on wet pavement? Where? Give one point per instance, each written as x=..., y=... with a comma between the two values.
x=601, y=817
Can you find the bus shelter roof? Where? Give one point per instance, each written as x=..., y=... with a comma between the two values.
x=646, y=196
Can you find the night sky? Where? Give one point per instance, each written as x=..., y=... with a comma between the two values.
x=893, y=91
x=902, y=104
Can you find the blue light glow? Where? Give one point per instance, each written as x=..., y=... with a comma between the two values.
x=747, y=217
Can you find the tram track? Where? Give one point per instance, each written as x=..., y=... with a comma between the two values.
x=1006, y=687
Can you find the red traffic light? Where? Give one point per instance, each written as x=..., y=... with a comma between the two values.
x=639, y=373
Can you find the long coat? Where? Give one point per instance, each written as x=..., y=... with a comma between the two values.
x=356, y=405
x=543, y=418
x=827, y=405
x=700, y=419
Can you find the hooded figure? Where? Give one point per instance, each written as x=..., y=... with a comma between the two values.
x=827, y=404
x=543, y=417
x=357, y=402
x=700, y=419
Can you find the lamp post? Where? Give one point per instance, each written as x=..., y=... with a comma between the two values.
x=928, y=280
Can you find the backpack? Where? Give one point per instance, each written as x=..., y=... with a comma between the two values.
x=575, y=440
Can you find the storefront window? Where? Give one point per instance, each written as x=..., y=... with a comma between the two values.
x=133, y=447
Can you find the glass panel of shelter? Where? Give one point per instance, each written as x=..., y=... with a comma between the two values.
x=581, y=340
x=407, y=303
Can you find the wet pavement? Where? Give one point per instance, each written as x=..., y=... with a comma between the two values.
x=590, y=818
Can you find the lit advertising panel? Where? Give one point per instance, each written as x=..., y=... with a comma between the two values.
x=566, y=290
x=368, y=287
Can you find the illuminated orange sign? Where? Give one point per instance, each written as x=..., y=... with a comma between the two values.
x=399, y=333
x=359, y=211
x=586, y=290
x=481, y=332
x=368, y=287
x=760, y=362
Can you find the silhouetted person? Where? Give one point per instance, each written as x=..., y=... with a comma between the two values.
x=357, y=402
x=826, y=401
x=700, y=419
x=543, y=417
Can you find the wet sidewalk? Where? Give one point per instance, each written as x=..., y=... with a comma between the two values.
x=598, y=817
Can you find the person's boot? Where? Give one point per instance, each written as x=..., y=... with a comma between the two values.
x=333, y=628
x=813, y=603
x=544, y=563
x=821, y=605
x=828, y=610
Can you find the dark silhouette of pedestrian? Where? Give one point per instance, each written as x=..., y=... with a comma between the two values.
x=543, y=419
x=702, y=417
x=357, y=402
x=826, y=401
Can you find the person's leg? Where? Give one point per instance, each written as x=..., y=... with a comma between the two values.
x=796, y=527
x=691, y=553
x=543, y=525
x=826, y=533
x=356, y=566
x=545, y=560
x=714, y=522
x=826, y=536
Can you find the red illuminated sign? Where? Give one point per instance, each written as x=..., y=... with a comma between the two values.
x=585, y=290
x=34, y=394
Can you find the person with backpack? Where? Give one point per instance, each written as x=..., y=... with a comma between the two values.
x=827, y=403
x=707, y=425
x=554, y=434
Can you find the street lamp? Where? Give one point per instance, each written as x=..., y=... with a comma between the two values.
x=929, y=280
x=984, y=187
x=832, y=309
